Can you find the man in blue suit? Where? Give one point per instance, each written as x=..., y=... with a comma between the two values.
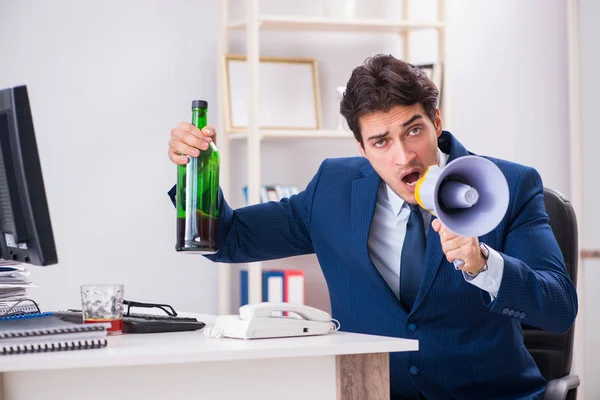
x=389, y=267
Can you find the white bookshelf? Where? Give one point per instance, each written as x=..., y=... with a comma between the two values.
x=252, y=25
x=294, y=134
x=273, y=22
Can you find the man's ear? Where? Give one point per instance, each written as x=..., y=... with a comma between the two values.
x=437, y=122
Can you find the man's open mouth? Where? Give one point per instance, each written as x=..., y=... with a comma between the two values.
x=412, y=177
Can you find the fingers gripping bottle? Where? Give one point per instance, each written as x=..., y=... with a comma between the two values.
x=197, y=194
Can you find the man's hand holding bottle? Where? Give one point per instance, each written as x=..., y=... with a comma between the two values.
x=186, y=139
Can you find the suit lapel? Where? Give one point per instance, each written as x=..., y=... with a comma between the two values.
x=364, y=199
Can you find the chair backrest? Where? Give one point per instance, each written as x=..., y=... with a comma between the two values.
x=553, y=352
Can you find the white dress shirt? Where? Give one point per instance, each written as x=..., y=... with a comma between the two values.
x=386, y=239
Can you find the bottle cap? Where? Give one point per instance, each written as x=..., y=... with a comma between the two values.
x=199, y=104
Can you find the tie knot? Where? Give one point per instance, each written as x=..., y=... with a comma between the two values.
x=413, y=207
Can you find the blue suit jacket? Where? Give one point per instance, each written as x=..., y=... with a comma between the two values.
x=469, y=347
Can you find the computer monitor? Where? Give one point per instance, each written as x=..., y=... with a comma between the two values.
x=25, y=229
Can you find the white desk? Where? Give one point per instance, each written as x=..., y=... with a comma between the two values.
x=186, y=365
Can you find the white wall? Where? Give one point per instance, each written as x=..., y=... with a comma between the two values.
x=508, y=70
x=107, y=81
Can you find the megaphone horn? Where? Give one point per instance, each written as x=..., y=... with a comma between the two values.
x=469, y=196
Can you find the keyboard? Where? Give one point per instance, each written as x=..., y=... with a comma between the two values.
x=152, y=317
x=144, y=323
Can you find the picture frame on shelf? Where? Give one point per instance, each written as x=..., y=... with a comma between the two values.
x=435, y=72
x=288, y=93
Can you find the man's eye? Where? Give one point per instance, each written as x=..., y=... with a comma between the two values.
x=379, y=143
x=415, y=131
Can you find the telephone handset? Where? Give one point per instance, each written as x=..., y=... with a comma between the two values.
x=257, y=321
x=265, y=310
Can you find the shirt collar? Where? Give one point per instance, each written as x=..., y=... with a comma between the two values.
x=396, y=201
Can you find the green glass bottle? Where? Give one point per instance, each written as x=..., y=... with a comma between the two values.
x=197, y=194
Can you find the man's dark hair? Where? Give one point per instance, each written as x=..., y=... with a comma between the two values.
x=381, y=83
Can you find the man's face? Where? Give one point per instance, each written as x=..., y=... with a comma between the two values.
x=400, y=144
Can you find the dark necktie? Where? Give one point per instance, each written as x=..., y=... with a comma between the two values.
x=412, y=259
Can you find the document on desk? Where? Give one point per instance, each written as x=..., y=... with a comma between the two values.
x=14, y=274
x=14, y=282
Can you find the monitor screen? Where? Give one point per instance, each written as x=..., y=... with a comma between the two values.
x=25, y=228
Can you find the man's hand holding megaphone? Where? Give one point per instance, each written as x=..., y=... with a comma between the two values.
x=462, y=248
x=469, y=197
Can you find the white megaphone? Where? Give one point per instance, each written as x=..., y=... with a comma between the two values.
x=469, y=196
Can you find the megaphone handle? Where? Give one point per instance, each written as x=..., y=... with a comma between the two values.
x=458, y=264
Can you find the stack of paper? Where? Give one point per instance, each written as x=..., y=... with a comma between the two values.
x=14, y=282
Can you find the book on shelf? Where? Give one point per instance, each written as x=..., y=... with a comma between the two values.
x=278, y=285
x=273, y=192
x=44, y=332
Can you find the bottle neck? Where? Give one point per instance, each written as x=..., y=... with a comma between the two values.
x=199, y=117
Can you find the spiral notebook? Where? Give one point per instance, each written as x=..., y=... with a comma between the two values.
x=9, y=306
x=40, y=333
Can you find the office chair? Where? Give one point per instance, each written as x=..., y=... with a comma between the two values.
x=553, y=352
